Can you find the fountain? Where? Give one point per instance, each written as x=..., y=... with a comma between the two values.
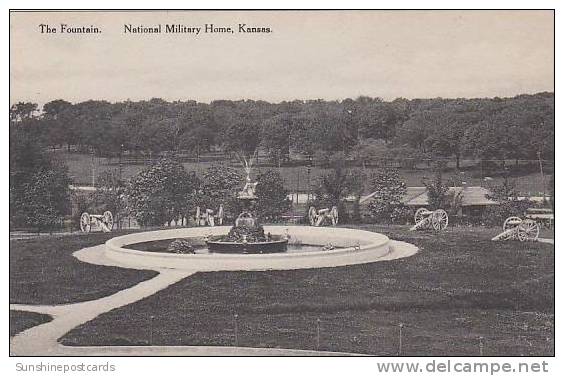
x=250, y=246
x=247, y=235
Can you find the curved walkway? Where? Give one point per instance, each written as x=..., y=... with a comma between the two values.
x=43, y=339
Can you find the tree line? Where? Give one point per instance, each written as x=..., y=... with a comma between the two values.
x=520, y=127
x=40, y=195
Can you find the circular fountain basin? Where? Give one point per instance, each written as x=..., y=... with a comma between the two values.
x=351, y=247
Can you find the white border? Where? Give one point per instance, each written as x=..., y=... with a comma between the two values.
x=261, y=366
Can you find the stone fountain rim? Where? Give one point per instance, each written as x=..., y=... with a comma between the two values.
x=115, y=245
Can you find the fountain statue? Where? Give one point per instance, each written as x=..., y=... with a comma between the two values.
x=248, y=191
x=247, y=235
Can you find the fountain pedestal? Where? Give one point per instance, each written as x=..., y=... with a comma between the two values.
x=273, y=246
x=247, y=236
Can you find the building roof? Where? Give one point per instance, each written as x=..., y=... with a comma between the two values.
x=476, y=196
x=417, y=196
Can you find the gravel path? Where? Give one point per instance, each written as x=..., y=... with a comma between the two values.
x=42, y=339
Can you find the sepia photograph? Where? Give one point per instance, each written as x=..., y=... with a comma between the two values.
x=282, y=183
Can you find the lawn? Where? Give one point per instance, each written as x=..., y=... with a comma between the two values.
x=43, y=271
x=296, y=178
x=458, y=288
x=20, y=321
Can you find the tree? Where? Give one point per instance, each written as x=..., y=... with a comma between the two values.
x=94, y=126
x=326, y=126
x=437, y=191
x=161, y=193
x=446, y=140
x=272, y=197
x=55, y=108
x=242, y=137
x=413, y=133
x=332, y=188
x=499, y=128
x=242, y=133
x=22, y=111
x=45, y=198
x=57, y=116
x=509, y=204
x=275, y=137
x=220, y=185
x=198, y=140
x=504, y=191
x=33, y=170
x=377, y=119
x=388, y=190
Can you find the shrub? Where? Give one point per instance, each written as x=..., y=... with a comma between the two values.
x=389, y=189
x=220, y=185
x=401, y=215
x=333, y=188
x=453, y=202
x=45, y=199
x=495, y=215
x=509, y=205
x=437, y=191
x=161, y=193
x=272, y=197
x=181, y=246
x=251, y=234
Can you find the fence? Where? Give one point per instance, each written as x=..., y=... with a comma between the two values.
x=324, y=333
x=532, y=177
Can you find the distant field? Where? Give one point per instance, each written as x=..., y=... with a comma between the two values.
x=82, y=167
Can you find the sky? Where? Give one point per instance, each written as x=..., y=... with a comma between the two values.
x=308, y=55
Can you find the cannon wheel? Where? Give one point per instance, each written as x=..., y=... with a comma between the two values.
x=335, y=215
x=511, y=222
x=197, y=216
x=312, y=214
x=528, y=230
x=85, y=222
x=419, y=215
x=439, y=220
x=109, y=219
x=220, y=215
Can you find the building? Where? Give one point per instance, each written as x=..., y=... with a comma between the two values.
x=473, y=199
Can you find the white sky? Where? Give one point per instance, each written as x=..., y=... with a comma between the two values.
x=309, y=55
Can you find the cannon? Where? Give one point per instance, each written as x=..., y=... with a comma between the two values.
x=317, y=218
x=103, y=221
x=515, y=228
x=208, y=218
x=425, y=219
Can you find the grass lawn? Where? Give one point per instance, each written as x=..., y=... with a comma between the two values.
x=296, y=178
x=459, y=287
x=546, y=233
x=20, y=321
x=43, y=271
